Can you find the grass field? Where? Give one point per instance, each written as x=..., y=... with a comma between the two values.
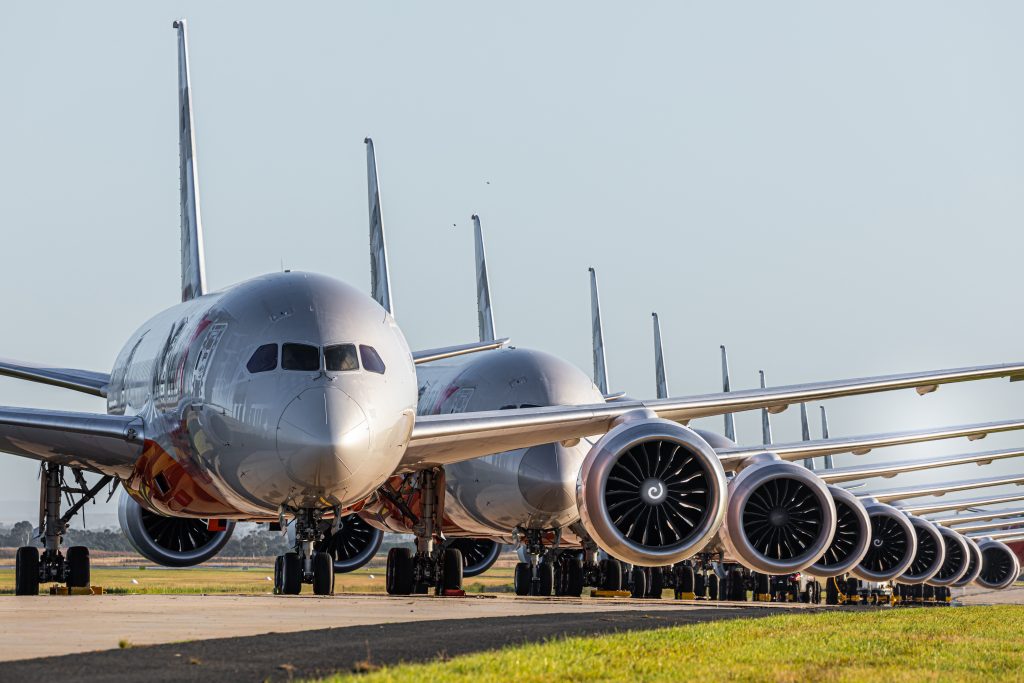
x=901, y=645
x=238, y=580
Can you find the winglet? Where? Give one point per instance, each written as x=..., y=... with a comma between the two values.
x=193, y=260
x=380, y=278
x=824, y=435
x=766, y=421
x=730, y=420
x=805, y=432
x=484, y=312
x=600, y=365
x=659, y=360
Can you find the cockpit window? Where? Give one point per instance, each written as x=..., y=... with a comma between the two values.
x=300, y=357
x=264, y=359
x=371, y=359
x=341, y=357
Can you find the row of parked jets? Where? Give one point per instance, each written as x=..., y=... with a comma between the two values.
x=293, y=399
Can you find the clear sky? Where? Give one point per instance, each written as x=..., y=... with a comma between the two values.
x=831, y=190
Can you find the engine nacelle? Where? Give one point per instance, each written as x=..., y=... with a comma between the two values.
x=852, y=538
x=973, y=564
x=651, y=492
x=169, y=541
x=999, y=565
x=780, y=517
x=929, y=553
x=352, y=545
x=893, y=544
x=958, y=556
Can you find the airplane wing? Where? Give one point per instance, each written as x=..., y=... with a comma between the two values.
x=459, y=350
x=86, y=381
x=449, y=438
x=109, y=444
x=925, y=490
x=891, y=469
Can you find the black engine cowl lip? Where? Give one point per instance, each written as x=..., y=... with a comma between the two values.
x=762, y=469
x=633, y=429
x=132, y=518
x=972, y=573
x=876, y=509
x=951, y=538
x=986, y=545
x=923, y=527
x=822, y=571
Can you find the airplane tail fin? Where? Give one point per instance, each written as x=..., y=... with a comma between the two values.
x=805, y=433
x=730, y=420
x=193, y=260
x=380, y=278
x=600, y=365
x=659, y=360
x=824, y=435
x=766, y=420
x=484, y=312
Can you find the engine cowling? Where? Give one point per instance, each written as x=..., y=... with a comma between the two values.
x=893, y=544
x=651, y=492
x=930, y=552
x=999, y=565
x=169, y=541
x=352, y=545
x=780, y=517
x=478, y=554
x=958, y=556
x=852, y=538
x=973, y=564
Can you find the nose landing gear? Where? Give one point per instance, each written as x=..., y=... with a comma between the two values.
x=305, y=564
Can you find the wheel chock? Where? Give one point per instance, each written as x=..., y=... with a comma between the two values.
x=609, y=594
x=83, y=590
x=453, y=593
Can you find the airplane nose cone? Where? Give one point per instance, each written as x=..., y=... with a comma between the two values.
x=322, y=438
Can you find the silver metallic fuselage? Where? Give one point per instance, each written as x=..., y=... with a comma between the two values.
x=224, y=442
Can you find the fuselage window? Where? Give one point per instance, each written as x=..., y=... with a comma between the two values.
x=300, y=357
x=371, y=359
x=341, y=357
x=264, y=359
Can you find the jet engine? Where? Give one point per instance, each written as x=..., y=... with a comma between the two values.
x=478, y=554
x=893, y=544
x=170, y=541
x=852, y=539
x=929, y=555
x=999, y=565
x=353, y=544
x=957, y=558
x=780, y=518
x=651, y=492
x=973, y=564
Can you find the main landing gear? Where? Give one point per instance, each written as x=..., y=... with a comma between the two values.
x=434, y=565
x=305, y=564
x=31, y=568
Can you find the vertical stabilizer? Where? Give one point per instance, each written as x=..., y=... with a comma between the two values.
x=766, y=420
x=824, y=435
x=484, y=313
x=193, y=259
x=600, y=365
x=805, y=433
x=380, y=278
x=730, y=420
x=659, y=360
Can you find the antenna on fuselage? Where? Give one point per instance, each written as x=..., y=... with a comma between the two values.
x=824, y=435
x=766, y=420
x=380, y=278
x=805, y=433
x=484, y=313
x=730, y=419
x=193, y=259
x=600, y=365
x=659, y=360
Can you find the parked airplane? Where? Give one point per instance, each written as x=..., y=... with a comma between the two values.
x=293, y=396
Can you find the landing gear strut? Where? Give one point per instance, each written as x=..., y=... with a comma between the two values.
x=305, y=564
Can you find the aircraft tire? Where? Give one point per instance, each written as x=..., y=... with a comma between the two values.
x=77, y=562
x=573, y=577
x=545, y=579
x=398, y=574
x=639, y=581
x=523, y=578
x=611, y=573
x=713, y=583
x=291, y=574
x=655, y=583
x=278, y=564
x=26, y=571
x=686, y=581
x=451, y=569
x=323, y=574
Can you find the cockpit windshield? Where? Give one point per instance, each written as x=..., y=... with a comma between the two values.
x=341, y=357
x=300, y=357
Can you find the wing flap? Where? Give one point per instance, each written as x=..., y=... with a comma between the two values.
x=101, y=443
x=458, y=350
x=86, y=381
